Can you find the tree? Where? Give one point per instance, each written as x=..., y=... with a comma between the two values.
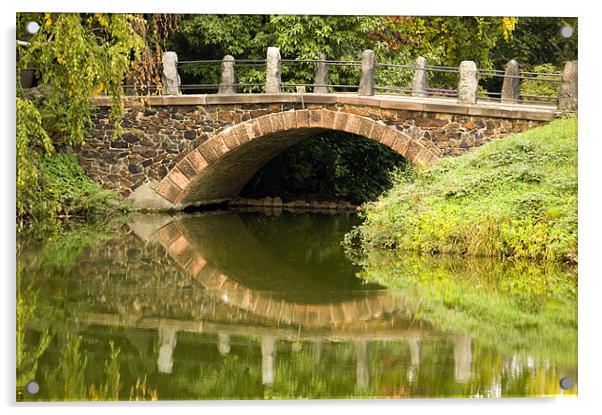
x=249, y=36
x=446, y=40
x=537, y=41
x=538, y=45
x=75, y=56
x=442, y=40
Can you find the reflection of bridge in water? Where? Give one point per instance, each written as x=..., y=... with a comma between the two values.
x=195, y=246
x=196, y=260
x=168, y=330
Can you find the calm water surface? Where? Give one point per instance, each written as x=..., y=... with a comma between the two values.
x=248, y=306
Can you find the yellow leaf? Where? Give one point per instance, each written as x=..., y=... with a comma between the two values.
x=508, y=24
x=47, y=19
x=101, y=19
x=100, y=89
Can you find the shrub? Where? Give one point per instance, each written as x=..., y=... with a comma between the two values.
x=63, y=190
x=539, y=86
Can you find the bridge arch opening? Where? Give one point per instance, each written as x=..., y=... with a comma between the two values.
x=331, y=166
x=219, y=168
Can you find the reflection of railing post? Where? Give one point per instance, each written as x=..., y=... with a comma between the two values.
x=268, y=359
x=567, y=94
x=170, y=77
x=462, y=358
x=167, y=342
x=420, y=79
x=362, y=376
x=228, y=76
x=321, y=76
x=317, y=350
x=366, y=86
x=467, y=86
x=223, y=343
x=414, y=343
x=272, y=75
x=511, y=85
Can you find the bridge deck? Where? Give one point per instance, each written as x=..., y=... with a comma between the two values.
x=539, y=112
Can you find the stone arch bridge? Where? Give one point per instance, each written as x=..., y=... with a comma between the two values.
x=183, y=150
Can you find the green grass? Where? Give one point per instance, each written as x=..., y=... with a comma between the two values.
x=513, y=197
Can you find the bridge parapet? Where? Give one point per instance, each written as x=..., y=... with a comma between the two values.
x=468, y=76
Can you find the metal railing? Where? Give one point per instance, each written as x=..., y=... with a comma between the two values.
x=408, y=73
x=290, y=65
x=549, y=81
x=340, y=76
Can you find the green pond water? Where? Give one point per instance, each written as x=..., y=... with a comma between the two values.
x=251, y=306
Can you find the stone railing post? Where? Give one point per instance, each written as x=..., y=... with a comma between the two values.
x=420, y=79
x=272, y=76
x=321, y=76
x=567, y=94
x=366, y=86
x=511, y=84
x=228, y=76
x=467, y=86
x=170, y=77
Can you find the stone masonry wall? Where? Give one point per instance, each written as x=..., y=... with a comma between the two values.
x=156, y=138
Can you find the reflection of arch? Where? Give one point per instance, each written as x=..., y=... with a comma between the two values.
x=219, y=168
x=189, y=256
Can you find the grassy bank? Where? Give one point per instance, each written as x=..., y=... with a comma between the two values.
x=513, y=197
x=61, y=191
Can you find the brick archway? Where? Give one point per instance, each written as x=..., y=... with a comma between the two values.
x=219, y=168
